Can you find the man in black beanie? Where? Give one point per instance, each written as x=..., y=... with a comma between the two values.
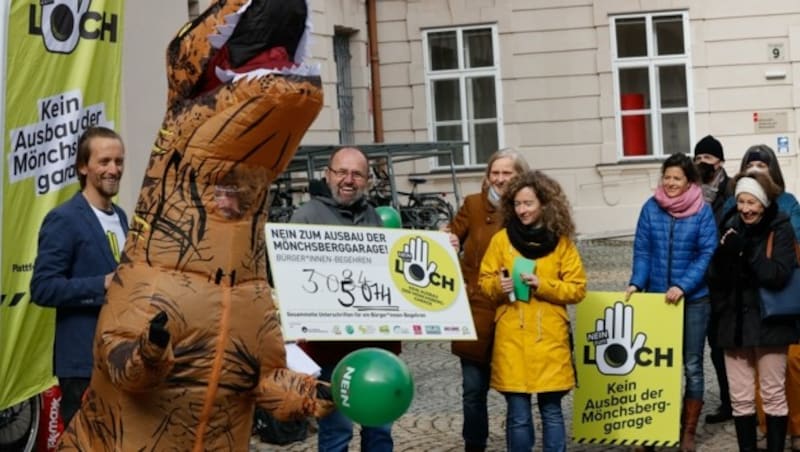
x=708, y=158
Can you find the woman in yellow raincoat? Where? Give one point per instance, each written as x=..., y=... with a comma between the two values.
x=533, y=270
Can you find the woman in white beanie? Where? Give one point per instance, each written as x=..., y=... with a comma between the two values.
x=754, y=348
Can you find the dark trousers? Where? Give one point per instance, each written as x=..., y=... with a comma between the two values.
x=72, y=390
x=718, y=360
x=475, y=389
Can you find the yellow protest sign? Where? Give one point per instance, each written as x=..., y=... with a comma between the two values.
x=629, y=365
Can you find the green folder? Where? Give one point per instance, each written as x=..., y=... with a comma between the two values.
x=522, y=265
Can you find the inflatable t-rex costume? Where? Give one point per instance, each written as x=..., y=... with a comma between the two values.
x=189, y=341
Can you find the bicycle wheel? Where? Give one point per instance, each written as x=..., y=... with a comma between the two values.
x=18, y=426
x=380, y=195
x=434, y=212
x=408, y=216
x=282, y=214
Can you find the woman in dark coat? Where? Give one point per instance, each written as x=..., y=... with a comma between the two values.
x=754, y=348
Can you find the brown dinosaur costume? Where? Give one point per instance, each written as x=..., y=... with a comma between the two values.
x=188, y=341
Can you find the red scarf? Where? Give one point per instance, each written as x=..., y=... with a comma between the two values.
x=684, y=205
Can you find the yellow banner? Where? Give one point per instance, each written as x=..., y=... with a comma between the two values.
x=62, y=75
x=629, y=362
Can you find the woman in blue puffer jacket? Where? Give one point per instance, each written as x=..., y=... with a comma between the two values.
x=675, y=238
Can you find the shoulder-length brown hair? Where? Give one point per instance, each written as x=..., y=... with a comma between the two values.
x=556, y=211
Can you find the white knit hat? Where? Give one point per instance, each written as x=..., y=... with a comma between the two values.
x=751, y=186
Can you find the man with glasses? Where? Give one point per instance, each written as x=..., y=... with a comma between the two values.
x=342, y=201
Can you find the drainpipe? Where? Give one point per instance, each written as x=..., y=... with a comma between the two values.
x=375, y=71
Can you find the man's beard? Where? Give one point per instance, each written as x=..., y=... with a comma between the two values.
x=107, y=189
x=358, y=196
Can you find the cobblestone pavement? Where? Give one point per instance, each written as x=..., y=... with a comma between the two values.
x=433, y=422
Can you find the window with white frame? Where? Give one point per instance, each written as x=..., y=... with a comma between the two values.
x=462, y=78
x=651, y=66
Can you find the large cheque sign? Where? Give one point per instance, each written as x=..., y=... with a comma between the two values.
x=339, y=283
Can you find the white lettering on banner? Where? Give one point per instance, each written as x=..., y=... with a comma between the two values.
x=52, y=424
x=46, y=149
x=345, y=385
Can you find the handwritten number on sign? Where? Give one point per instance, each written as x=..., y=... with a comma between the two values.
x=314, y=287
x=348, y=287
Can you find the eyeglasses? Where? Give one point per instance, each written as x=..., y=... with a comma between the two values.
x=342, y=173
x=221, y=191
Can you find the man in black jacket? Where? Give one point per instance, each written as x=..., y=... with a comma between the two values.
x=709, y=159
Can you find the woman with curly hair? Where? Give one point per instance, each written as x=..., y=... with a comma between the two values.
x=532, y=270
x=478, y=219
x=675, y=238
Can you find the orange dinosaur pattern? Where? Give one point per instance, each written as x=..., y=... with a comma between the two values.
x=205, y=268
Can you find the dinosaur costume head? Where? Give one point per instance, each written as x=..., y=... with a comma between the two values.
x=240, y=99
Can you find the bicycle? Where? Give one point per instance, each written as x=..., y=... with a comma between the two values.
x=282, y=204
x=19, y=425
x=422, y=210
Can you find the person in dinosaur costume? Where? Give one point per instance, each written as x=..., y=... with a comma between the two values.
x=189, y=338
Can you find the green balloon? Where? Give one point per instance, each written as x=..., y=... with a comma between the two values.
x=390, y=216
x=372, y=386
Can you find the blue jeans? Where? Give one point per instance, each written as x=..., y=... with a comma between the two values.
x=695, y=325
x=475, y=386
x=336, y=430
x=519, y=422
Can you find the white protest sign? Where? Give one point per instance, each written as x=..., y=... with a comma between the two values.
x=359, y=283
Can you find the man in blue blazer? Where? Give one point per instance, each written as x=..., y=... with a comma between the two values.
x=80, y=242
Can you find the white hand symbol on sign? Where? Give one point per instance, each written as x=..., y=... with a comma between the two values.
x=617, y=355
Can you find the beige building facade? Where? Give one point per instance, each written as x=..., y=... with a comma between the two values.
x=594, y=92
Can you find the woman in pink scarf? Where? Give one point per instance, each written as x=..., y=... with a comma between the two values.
x=675, y=238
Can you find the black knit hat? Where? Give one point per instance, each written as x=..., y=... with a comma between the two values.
x=709, y=145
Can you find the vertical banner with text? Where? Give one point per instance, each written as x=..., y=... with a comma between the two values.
x=629, y=361
x=62, y=74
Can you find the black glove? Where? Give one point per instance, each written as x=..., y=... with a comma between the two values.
x=159, y=335
x=733, y=244
x=324, y=392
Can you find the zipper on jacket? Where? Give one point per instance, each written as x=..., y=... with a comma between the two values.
x=669, y=253
x=539, y=325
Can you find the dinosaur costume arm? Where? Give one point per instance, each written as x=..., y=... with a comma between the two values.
x=145, y=365
x=135, y=363
x=289, y=395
